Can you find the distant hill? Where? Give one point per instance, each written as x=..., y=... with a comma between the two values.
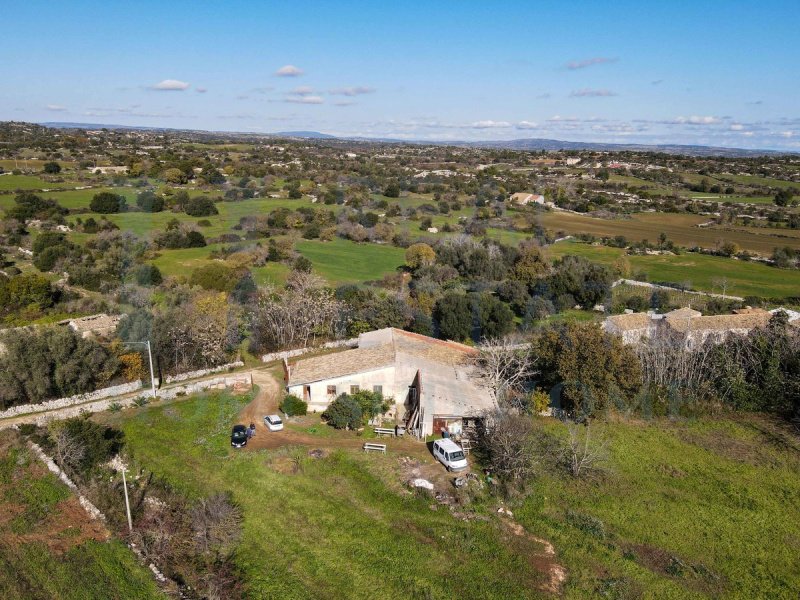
x=314, y=135
x=529, y=144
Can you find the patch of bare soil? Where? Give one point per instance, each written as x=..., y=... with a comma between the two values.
x=544, y=561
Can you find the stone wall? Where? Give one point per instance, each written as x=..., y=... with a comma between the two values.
x=202, y=372
x=286, y=354
x=116, y=390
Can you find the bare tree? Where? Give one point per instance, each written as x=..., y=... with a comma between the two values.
x=509, y=446
x=300, y=313
x=503, y=366
x=68, y=452
x=581, y=454
x=217, y=525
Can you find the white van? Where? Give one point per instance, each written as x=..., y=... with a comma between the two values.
x=450, y=454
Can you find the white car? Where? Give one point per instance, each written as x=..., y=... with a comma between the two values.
x=450, y=454
x=273, y=422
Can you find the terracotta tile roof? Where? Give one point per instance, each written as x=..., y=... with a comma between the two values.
x=340, y=364
x=721, y=322
x=631, y=321
x=378, y=349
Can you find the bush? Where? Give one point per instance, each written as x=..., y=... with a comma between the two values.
x=200, y=206
x=52, y=168
x=149, y=202
x=292, y=406
x=147, y=275
x=107, y=202
x=343, y=413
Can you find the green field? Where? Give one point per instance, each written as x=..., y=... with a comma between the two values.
x=344, y=261
x=49, y=548
x=333, y=528
x=28, y=182
x=680, y=228
x=686, y=509
x=699, y=271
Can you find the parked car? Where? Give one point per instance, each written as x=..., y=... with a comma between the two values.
x=273, y=422
x=450, y=454
x=239, y=436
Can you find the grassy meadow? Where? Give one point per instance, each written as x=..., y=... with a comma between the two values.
x=706, y=508
x=344, y=261
x=699, y=271
x=49, y=548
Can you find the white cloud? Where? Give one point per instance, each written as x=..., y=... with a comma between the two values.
x=170, y=85
x=589, y=62
x=305, y=99
x=289, y=71
x=527, y=125
x=344, y=103
x=352, y=91
x=56, y=107
x=590, y=93
x=489, y=124
x=786, y=134
x=303, y=90
x=697, y=120
x=560, y=119
x=737, y=127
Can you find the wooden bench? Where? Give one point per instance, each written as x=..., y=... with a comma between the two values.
x=371, y=447
x=384, y=431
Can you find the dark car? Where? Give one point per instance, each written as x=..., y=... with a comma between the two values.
x=239, y=436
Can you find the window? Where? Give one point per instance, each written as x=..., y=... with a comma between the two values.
x=354, y=389
x=331, y=390
x=378, y=389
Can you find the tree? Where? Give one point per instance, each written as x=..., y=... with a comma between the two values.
x=212, y=175
x=146, y=274
x=175, y=175
x=107, y=203
x=419, y=255
x=508, y=447
x=149, y=202
x=783, y=197
x=372, y=404
x=504, y=366
x=201, y=206
x=52, y=362
x=392, y=191
x=343, y=413
x=580, y=453
x=531, y=264
x=292, y=317
x=591, y=367
x=453, y=314
x=28, y=205
x=51, y=168
x=495, y=317
x=215, y=276
x=27, y=290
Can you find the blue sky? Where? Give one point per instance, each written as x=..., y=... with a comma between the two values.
x=720, y=73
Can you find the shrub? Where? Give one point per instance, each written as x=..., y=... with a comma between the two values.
x=372, y=404
x=200, y=206
x=147, y=275
x=587, y=524
x=52, y=168
x=292, y=406
x=140, y=401
x=343, y=413
x=149, y=202
x=115, y=407
x=108, y=202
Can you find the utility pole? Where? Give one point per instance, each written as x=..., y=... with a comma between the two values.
x=127, y=502
x=152, y=374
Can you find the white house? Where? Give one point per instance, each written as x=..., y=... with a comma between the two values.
x=430, y=381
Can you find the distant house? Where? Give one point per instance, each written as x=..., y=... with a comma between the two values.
x=690, y=325
x=524, y=198
x=109, y=170
x=430, y=381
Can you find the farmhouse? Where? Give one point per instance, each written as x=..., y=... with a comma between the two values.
x=689, y=324
x=430, y=381
x=526, y=198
